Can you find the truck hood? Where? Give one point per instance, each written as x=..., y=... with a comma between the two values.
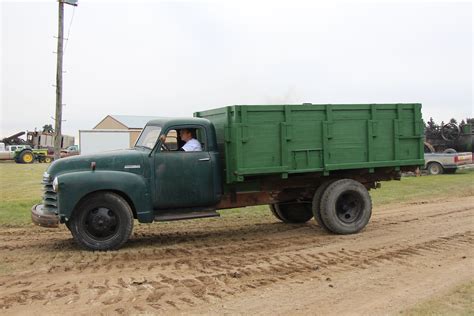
x=127, y=160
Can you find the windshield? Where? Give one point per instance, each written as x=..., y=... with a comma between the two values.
x=148, y=137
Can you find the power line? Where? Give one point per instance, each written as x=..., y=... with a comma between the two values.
x=69, y=28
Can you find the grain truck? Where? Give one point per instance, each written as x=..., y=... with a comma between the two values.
x=304, y=161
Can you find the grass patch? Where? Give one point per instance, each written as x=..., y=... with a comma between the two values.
x=424, y=188
x=458, y=302
x=20, y=188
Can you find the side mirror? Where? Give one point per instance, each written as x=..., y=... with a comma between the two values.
x=163, y=138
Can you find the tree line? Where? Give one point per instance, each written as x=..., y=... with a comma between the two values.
x=433, y=129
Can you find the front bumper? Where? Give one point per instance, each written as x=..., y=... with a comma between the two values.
x=42, y=217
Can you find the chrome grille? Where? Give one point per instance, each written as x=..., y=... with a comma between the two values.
x=50, y=200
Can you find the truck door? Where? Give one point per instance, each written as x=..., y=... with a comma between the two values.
x=183, y=178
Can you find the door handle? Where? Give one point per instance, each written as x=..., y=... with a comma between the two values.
x=204, y=159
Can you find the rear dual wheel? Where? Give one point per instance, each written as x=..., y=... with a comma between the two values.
x=345, y=207
x=292, y=213
x=274, y=212
x=316, y=207
x=339, y=206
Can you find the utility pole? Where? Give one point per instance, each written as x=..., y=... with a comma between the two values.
x=59, y=84
x=59, y=79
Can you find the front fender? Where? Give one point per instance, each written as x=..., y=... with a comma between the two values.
x=76, y=185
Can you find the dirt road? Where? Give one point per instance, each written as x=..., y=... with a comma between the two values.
x=245, y=264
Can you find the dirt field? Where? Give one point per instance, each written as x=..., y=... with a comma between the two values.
x=409, y=253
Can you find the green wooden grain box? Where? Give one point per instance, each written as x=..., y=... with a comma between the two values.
x=288, y=139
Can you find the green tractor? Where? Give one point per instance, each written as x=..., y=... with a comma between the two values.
x=29, y=155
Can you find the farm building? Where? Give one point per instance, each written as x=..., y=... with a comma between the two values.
x=131, y=123
x=113, y=132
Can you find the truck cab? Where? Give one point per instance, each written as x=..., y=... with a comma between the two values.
x=154, y=181
x=194, y=175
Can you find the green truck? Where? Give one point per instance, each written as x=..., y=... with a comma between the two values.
x=304, y=161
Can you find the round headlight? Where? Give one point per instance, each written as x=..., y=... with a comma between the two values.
x=55, y=184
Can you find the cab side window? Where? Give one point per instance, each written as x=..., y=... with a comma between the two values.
x=176, y=139
x=201, y=137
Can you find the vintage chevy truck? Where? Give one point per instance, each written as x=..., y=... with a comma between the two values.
x=305, y=161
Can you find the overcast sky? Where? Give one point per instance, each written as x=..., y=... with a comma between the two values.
x=175, y=58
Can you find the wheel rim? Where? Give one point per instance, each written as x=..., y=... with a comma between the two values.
x=349, y=207
x=101, y=223
x=47, y=160
x=28, y=157
x=434, y=169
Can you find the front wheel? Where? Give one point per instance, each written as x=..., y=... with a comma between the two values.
x=103, y=221
x=346, y=207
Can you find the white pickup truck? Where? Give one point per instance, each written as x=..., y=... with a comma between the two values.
x=8, y=152
x=447, y=162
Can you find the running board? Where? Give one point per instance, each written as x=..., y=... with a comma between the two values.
x=164, y=217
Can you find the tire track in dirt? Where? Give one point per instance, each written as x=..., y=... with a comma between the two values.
x=173, y=271
x=250, y=274
x=82, y=260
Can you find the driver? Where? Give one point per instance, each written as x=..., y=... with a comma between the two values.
x=192, y=144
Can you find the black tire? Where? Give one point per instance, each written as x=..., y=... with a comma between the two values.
x=346, y=207
x=274, y=212
x=103, y=221
x=450, y=151
x=294, y=213
x=435, y=168
x=26, y=156
x=428, y=148
x=316, y=206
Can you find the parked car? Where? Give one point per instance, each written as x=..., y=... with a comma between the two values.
x=447, y=162
x=70, y=151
